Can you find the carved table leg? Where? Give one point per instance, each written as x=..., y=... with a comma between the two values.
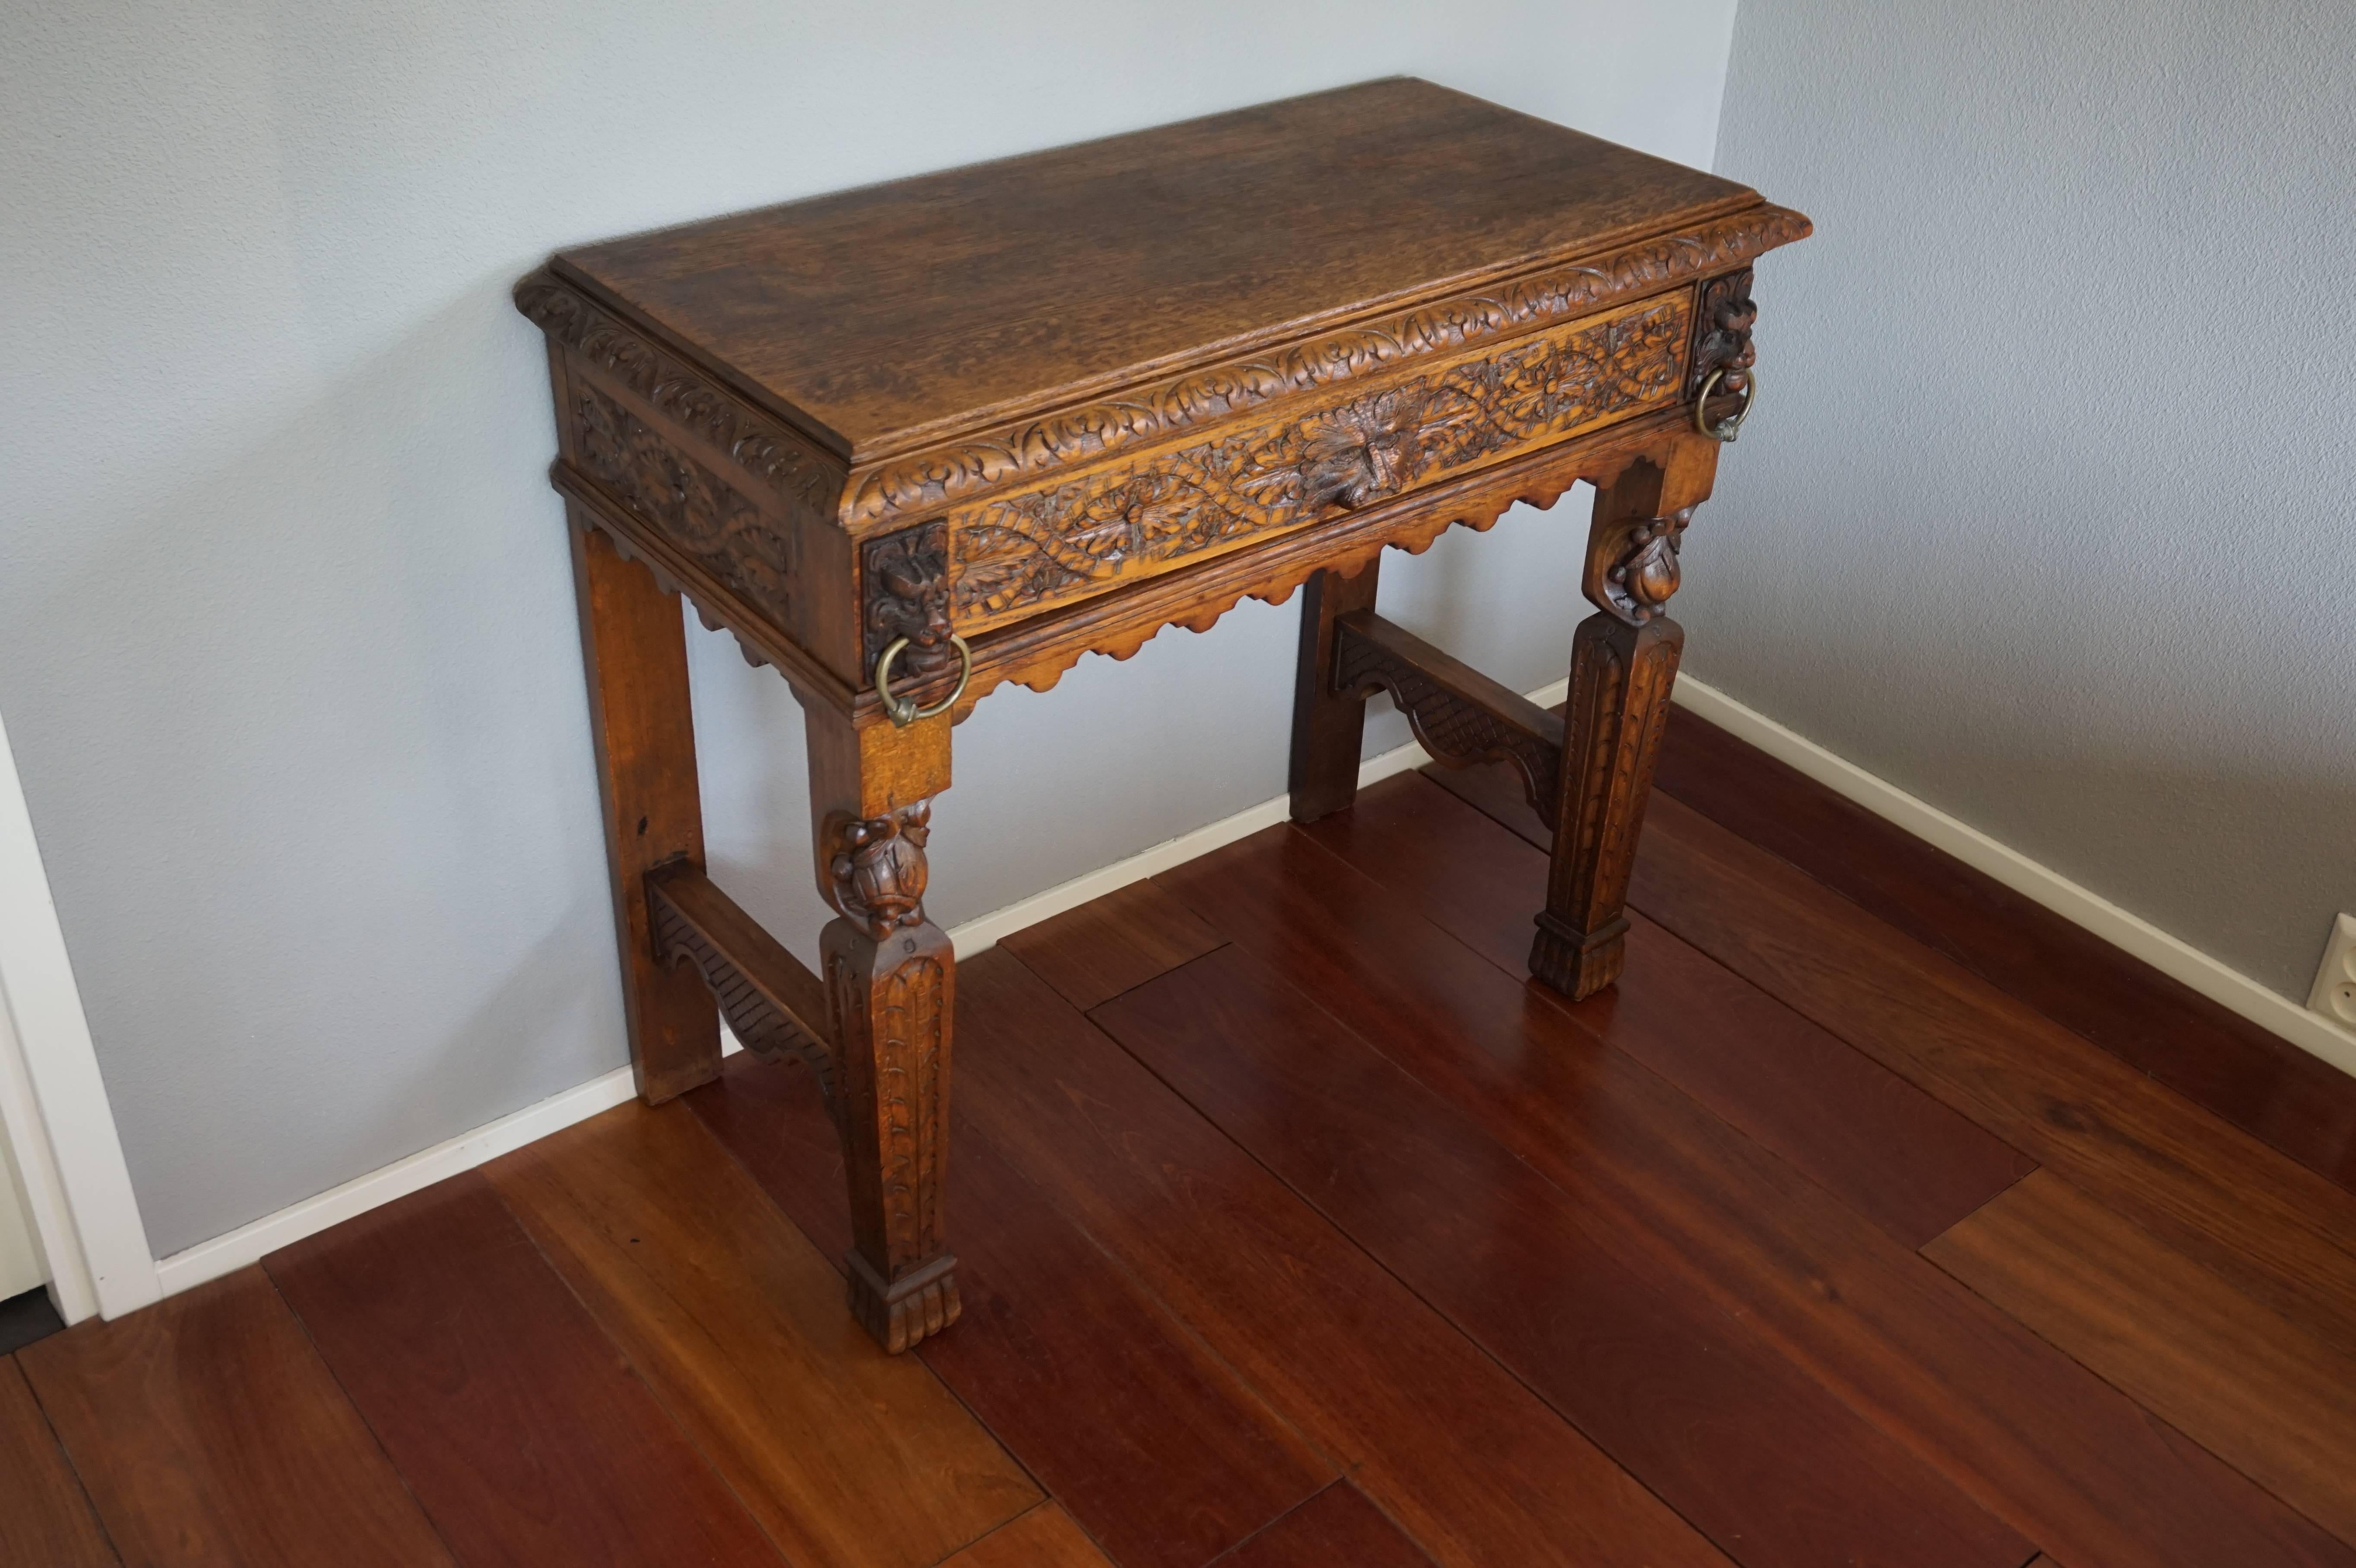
x=635, y=643
x=890, y=979
x=1328, y=727
x=1623, y=663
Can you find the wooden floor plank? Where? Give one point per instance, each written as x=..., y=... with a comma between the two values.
x=1044, y=1538
x=1762, y=1459
x=1336, y=1526
x=1095, y=952
x=1475, y=1466
x=1859, y=1130
x=1495, y=792
x=2068, y=1460
x=1152, y=1443
x=2261, y=1392
x=207, y=1432
x=2221, y=1060
x=44, y=1515
x=2279, y=1232
x=513, y=1419
x=845, y=1456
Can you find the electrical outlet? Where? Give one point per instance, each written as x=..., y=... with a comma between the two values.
x=2335, y=984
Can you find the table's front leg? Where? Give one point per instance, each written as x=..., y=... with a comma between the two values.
x=890, y=977
x=1623, y=664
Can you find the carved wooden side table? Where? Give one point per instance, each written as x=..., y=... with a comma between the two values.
x=913, y=441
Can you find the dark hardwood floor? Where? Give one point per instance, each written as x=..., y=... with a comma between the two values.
x=1298, y=1228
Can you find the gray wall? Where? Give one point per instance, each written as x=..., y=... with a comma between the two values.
x=286, y=623
x=2046, y=516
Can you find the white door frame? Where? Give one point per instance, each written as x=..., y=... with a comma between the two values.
x=52, y=1099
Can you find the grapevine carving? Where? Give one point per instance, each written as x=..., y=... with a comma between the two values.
x=927, y=480
x=1012, y=556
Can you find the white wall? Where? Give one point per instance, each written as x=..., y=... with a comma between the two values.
x=2046, y=516
x=285, y=618
x=21, y=1268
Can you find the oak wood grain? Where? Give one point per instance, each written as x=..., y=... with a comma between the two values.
x=1460, y=715
x=1337, y=1525
x=634, y=645
x=843, y=1454
x=1863, y=1133
x=2030, y=1434
x=1152, y=1443
x=2262, y=1393
x=879, y=315
x=208, y=1431
x=45, y=1515
x=1328, y=725
x=2279, y=1232
x=2221, y=1060
x=1476, y=1466
x=1044, y=1538
x=1094, y=953
x=515, y=1421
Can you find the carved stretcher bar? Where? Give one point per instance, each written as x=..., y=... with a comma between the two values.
x=909, y=443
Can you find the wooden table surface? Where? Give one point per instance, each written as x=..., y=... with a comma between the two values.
x=879, y=317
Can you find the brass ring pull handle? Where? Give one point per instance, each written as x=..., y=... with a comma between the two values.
x=1724, y=429
x=904, y=710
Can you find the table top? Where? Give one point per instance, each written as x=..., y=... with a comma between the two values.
x=885, y=318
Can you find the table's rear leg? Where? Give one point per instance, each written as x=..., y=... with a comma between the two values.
x=1623, y=664
x=890, y=983
x=634, y=642
x=1328, y=729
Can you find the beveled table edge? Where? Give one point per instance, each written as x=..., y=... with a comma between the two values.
x=1082, y=419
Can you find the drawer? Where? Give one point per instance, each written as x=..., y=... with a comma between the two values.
x=1284, y=465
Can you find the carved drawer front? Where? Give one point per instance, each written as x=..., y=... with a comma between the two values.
x=1142, y=513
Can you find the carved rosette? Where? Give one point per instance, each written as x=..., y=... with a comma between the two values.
x=876, y=874
x=1723, y=334
x=684, y=500
x=907, y=594
x=1638, y=584
x=1017, y=555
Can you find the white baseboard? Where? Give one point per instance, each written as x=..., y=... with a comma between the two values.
x=2178, y=959
x=247, y=1244
x=53, y=1106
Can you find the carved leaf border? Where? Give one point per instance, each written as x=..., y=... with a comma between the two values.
x=791, y=467
x=1013, y=555
x=900, y=488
